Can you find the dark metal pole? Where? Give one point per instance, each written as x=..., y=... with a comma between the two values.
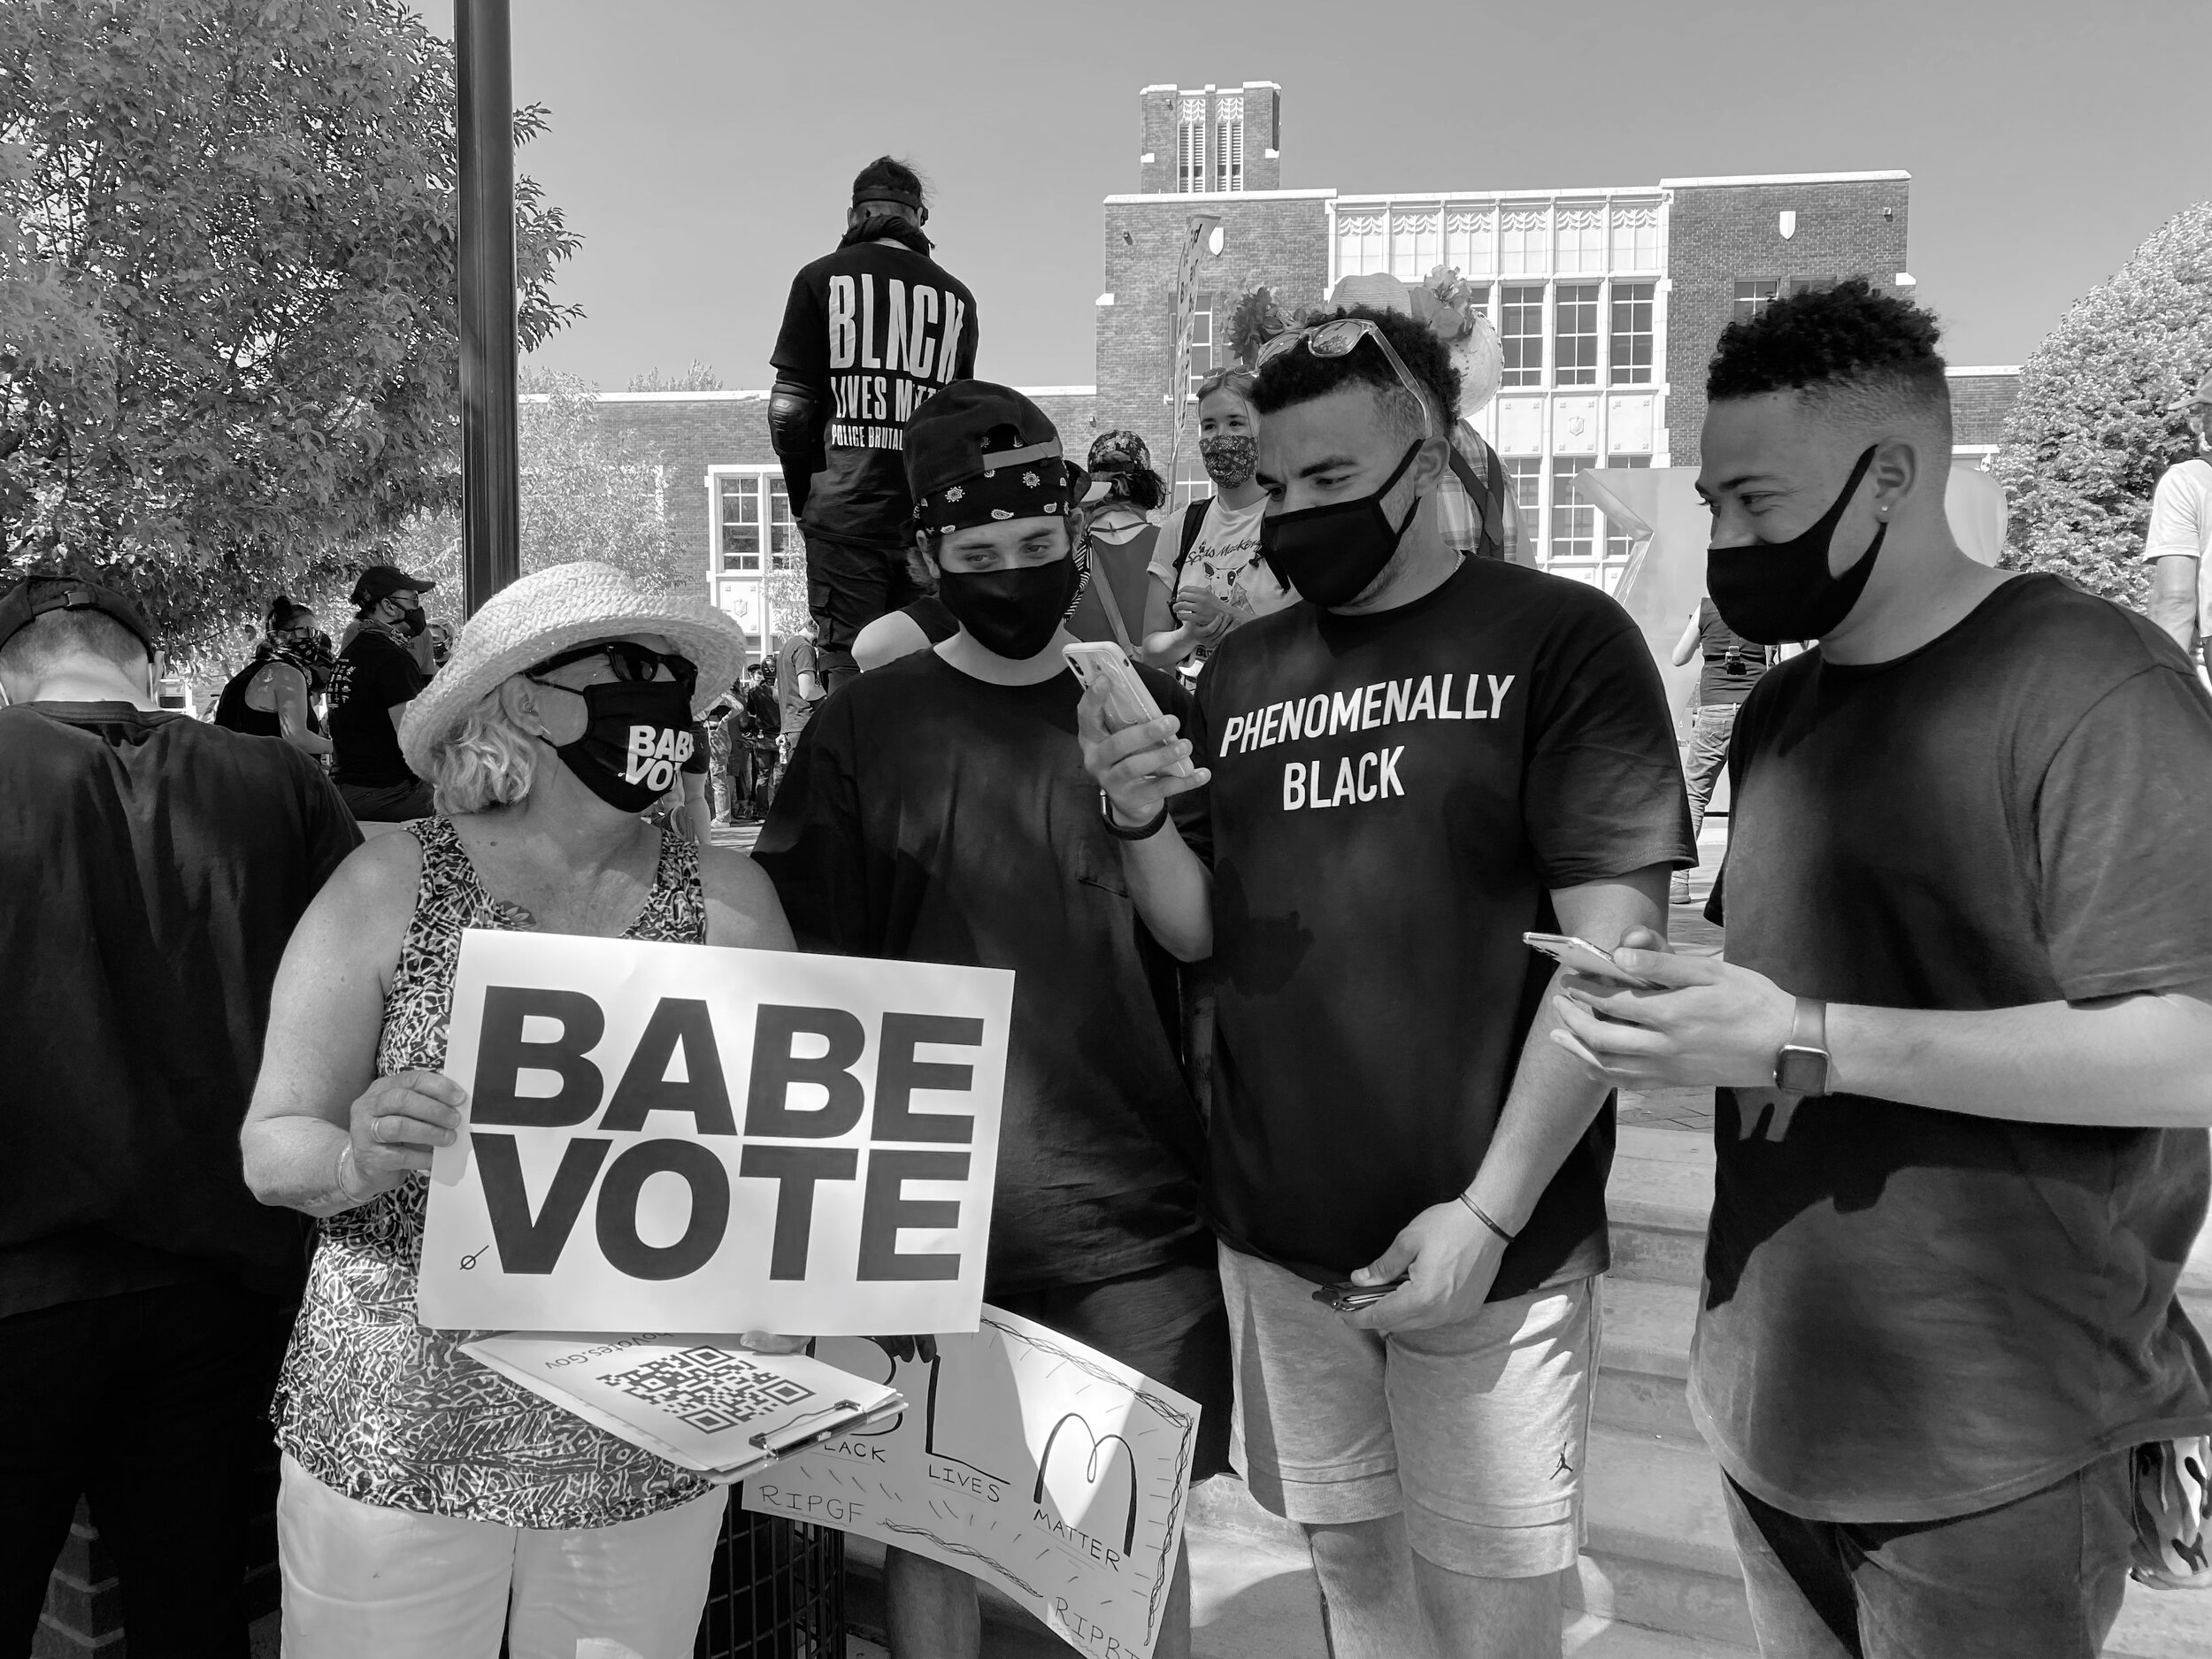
x=491, y=542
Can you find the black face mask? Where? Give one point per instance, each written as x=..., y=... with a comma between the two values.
x=1331, y=554
x=636, y=738
x=1774, y=593
x=412, y=621
x=1012, y=613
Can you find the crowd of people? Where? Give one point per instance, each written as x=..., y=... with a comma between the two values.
x=1294, y=1122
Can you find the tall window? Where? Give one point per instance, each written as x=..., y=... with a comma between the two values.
x=740, y=521
x=1417, y=244
x=784, y=545
x=1229, y=143
x=1635, y=239
x=1525, y=473
x=1192, y=483
x=757, y=523
x=1521, y=249
x=1467, y=247
x=1581, y=238
x=1190, y=145
x=1201, y=340
x=1575, y=350
x=1632, y=334
x=1754, y=295
x=1574, y=518
x=1618, y=543
x=1360, y=244
x=1521, y=333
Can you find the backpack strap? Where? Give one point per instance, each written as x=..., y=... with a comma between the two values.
x=1193, y=521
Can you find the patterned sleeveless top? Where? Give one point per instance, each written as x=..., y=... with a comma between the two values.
x=375, y=1406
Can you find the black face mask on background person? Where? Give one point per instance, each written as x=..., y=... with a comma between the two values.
x=1332, y=553
x=1012, y=613
x=1775, y=593
x=412, y=621
x=637, y=735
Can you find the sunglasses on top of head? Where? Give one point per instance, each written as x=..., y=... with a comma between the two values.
x=629, y=660
x=1336, y=338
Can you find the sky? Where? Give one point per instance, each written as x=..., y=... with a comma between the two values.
x=705, y=149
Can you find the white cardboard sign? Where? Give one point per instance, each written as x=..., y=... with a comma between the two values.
x=1023, y=1459
x=668, y=1137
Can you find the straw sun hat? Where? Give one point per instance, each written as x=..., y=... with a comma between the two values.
x=549, y=611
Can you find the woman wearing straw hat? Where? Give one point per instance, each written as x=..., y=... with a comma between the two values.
x=426, y=1503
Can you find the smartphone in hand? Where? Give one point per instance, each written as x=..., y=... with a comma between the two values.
x=1102, y=666
x=1345, y=1297
x=1586, y=958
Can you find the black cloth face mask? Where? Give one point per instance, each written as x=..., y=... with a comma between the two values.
x=1775, y=593
x=1332, y=553
x=637, y=735
x=1012, y=613
x=413, y=621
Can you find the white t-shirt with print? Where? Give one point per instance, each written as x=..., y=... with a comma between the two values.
x=1225, y=561
x=2181, y=522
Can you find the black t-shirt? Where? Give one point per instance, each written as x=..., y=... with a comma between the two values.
x=1394, y=798
x=929, y=613
x=928, y=816
x=372, y=673
x=1733, y=664
x=873, y=329
x=151, y=868
x=1913, y=1314
x=233, y=713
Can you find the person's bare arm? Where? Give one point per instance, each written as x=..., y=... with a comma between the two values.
x=742, y=909
x=1686, y=647
x=324, y=1133
x=2173, y=605
x=697, y=819
x=1170, y=886
x=398, y=712
x=288, y=688
x=1449, y=1256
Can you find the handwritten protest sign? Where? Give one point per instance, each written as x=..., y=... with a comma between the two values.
x=1024, y=1459
x=679, y=1138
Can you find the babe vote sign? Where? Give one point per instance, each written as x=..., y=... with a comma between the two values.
x=667, y=1137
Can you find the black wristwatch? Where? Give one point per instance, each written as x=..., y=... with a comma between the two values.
x=1801, y=1067
x=1143, y=832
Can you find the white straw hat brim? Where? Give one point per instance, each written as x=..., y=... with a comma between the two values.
x=549, y=611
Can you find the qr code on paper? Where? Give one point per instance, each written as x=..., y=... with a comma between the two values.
x=710, y=1388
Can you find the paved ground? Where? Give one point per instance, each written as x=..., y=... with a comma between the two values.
x=1692, y=934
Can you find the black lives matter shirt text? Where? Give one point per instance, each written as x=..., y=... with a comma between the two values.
x=891, y=344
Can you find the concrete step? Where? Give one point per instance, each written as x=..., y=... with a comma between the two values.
x=1658, y=1199
x=1659, y=1553
x=1644, y=1359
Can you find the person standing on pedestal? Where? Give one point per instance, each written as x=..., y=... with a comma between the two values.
x=871, y=330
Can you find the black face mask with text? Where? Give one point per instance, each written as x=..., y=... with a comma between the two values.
x=1776, y=593
x=637, y=735
x=1331, y=554
x=1012, y=613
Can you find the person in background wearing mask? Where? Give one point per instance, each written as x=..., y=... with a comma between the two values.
x=1732, y=665
x=274, y=694
x=1962, y=1040
x=937, y=811
x=439, y=633
x=878, y=303
x=798, y=687
x=1213, y=578
x=1119, y=538
x=2178, y=548
x=1431, y=755
x=376, y=676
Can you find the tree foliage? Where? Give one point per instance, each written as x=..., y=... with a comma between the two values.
x=700, y=377
x=2095, y=426
x=228, y=334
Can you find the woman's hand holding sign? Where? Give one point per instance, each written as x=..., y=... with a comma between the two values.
x=395, y=1126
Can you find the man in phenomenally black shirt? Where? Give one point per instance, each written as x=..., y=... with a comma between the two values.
x=151, y=868
x=1962, y=1040
x=870, y=331
x=936, y=810
x=376, y=676
x=1429, y=755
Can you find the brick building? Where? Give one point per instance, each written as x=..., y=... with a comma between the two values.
x=1608, y=301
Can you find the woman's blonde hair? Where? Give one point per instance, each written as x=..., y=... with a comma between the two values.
x=483, y=760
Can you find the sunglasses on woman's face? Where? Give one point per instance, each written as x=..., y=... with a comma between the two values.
x=629, y=660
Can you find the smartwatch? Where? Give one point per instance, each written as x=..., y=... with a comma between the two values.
x=1801, y=1067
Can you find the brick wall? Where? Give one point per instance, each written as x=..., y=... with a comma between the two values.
x=1279, y=240
x=1723, y=232
x=1158, y=115
x=1981, y=400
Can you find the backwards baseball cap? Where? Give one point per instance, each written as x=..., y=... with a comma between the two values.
x=884, y=179
x=2202, y=394
x=381, y=581
x=41, y=591
x=979, y=453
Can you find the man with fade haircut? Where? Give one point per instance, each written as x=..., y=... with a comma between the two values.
x=871, y=331
x=1428, y=756
x=1962, y=1040
x=937, y=809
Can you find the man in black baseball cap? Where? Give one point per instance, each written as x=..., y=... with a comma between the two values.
x=151, y=868
x=936, y=810
x=871, y=331
x=377, y=674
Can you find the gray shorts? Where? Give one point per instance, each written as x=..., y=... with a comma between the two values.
x=1474, y=1431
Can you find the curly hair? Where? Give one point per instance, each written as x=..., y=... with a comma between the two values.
x=1864, y=356
x=483, y=760
x=1297, y=376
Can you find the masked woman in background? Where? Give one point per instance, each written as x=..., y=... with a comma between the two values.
x=274, y=694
